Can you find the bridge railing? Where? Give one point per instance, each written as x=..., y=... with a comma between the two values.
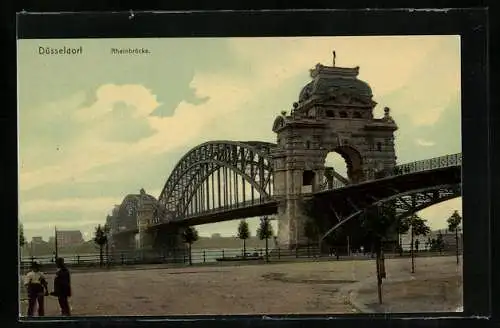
x=407, y=168
x=429, y=164
x=206, y=256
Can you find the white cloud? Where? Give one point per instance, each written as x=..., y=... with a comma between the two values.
x=271, y=64
x=383, y=69
x=184, y=127
x=228, y=93
x=424, y=143
x=135, y=95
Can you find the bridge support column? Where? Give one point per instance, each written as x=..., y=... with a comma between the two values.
x=123, y=243
x=168, y=243
x=145, y=236
x=145, y=239
x=289, y=187
x=291, y=224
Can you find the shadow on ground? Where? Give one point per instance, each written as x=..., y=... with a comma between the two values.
x=280, y=276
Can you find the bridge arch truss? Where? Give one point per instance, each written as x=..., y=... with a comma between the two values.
x=426, y=189
x=217, y=175
x=406, y=204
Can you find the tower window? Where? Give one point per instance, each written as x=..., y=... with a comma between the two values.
x=379, y=146
x=343, y=114
x=357, y=115
x=330, y=113
x=307, y=178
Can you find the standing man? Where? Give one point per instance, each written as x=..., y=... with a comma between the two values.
x=36, y=285
x=62, y=286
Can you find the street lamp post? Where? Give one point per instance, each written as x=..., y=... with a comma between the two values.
x=56, y=251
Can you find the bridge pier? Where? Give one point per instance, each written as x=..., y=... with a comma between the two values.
x=167, y=241
x=145, y=238
x=291, y=222
x=122, y=243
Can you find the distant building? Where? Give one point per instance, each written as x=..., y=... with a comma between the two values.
x=37, y=240
x=216, y=235
x=448, y=238
x=69, y=237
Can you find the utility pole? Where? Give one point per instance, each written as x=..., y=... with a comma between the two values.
x=55, y=244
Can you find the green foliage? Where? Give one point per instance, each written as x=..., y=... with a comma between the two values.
x=419, y=226
x=436, y=244
x=101, y=239
x=243, y=234
x=265, y=230
x=377, y=222
x=190, y=235
x=101, y=235
x=22, y=239
x=243, y=230
x=454, y=222
x=403, y=225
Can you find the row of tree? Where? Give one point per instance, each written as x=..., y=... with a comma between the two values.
x=375, y=226
x=376, y=223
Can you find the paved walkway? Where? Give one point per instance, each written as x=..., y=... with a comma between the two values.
x=274, y=288
x=429, y=289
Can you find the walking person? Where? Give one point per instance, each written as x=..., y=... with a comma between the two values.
x=62, y=286
x=36, y=285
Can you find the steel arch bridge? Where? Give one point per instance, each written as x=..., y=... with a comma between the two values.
x=227, y=180
x=221, y=175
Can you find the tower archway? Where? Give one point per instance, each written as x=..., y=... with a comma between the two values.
x=346, y=163
x=334, y=114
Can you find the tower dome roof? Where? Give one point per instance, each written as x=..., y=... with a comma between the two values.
x=327, y=79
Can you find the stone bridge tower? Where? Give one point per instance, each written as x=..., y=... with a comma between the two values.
x=145, y=212
x=334, y=114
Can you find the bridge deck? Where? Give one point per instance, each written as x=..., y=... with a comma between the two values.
x=366, y=193
x=410, y=177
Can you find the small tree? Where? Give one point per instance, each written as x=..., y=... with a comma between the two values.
x=311, y=232
x=418, y=227
x=101, y=239
x=22, y=239
x=440, y=242
x=190, y=235
x=377, y=222
x=454, y=222
x=243, y=234
x=264, y=232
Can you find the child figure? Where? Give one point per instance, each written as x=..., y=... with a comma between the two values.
x=36, y=285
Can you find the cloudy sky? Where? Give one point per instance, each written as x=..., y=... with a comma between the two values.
x=96, y=127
